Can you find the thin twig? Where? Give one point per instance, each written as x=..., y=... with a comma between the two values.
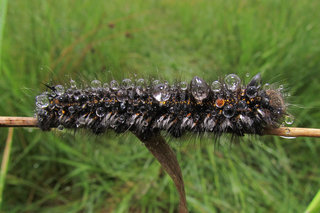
x=18, y=121
x=282, y=131
x=294, y=132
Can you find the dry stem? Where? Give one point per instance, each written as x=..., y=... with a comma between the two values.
x=282, y=131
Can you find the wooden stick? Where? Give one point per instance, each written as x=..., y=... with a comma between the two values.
x=18, y=121
x=282, y=131
x=294, y=132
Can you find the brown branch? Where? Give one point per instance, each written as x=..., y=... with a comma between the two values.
x=294, y=132
x=282, y=131
x=18, y=121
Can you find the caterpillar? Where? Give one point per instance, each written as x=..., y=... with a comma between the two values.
x=224, y=106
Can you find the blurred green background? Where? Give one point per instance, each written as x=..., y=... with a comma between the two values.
x=47, y=41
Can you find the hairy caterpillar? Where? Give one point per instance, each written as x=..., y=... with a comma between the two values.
x=226, y=106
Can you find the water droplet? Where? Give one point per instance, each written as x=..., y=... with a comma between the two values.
x=100, y=112
x=247, y=75
x=127, y=83
x=232, y=81
x=73, y=84
x=122, y=95
x=251, y=91
x=60, y=127
x=242, y=105
x=42, y=101
x=60, y=112
x=172, y=110
x=140, y=82
x=289, y=119
x=123, y=106
x=106, y=87
x=287, y=131
x=216, y=86
x=155, y=82
x=228, y=111
x=36, y=165
x=173, y=89
x=183, y=85
x=96, y=83
x=287, y=137
x=161, y=92
x=145, y=123
x=76, y=97
x=83, y=97
x=280, y=88
x=113, y=98
x=140, y=86
x=114, y=85
x=199, y=88
x=59, y=89
x=71, y=109
x=266, y=86
x=255, y=81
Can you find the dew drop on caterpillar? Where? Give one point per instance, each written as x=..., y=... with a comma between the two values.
x=224, y=106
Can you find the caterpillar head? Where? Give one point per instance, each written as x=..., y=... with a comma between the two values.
x=276, y=101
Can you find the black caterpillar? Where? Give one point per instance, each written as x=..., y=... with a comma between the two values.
x=226, y=106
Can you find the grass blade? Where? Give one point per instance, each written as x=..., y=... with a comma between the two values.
x=5, y=162
x=314, y=206
x=3, y=12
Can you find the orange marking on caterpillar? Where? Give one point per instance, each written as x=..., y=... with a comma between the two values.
x=220, y=103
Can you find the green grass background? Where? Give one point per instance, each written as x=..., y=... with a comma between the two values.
x=54, y=41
